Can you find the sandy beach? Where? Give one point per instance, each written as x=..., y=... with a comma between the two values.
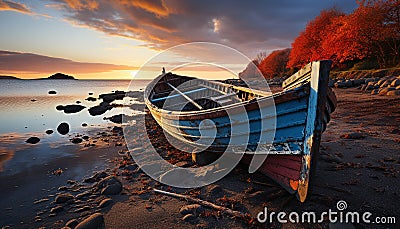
x=358, y=164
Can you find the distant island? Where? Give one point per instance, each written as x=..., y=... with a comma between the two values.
x=9, y=78
x=60, y=76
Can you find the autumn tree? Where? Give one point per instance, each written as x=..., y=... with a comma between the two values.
x=308, y=45
x=275, y=63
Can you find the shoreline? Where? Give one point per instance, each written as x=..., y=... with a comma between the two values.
x=361, y=171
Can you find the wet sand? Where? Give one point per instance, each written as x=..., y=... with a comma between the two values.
x=363, y=172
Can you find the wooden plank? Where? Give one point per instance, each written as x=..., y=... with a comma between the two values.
x=313, y=129
x=297, y=78
x=185, y=96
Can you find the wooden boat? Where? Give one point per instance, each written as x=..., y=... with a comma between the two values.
x=302, y=112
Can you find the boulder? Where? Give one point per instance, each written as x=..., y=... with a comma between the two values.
x=33, y=140
x=76, y=140
x=72, y=223
x=104, y=203
x=49, y=131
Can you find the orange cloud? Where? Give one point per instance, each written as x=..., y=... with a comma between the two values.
x=14, y=6
x=158, y=7
x=86, y=4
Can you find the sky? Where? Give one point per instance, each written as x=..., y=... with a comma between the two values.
x=113, y=39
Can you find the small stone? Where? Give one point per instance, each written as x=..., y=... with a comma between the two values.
x=82, y=209
x=84, y=124
x=105, y=203
x=49, y=131
x=72, y=223
x=62, y=198
x=63, y=188
x=33, y=140
x=52, y=92
x=94, y=221
x=191, y=209
x=63, y=128
x=69, y=109
x=109, y=186
x=56, y=209
x=394, y=93
x=189, y=218
x=354, y=135
x=60, y=107
x=76, y=140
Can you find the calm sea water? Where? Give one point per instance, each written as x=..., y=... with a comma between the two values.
x=26, y=109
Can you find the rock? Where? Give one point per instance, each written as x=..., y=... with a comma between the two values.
x=78, y=102
x=94, y=221
x=62, y=198
x=375, y=92
x=52, y=92
x=84, y=124
x=63, y=128
x=354, y=135
x=82, y=209
x=91, y=99
x=104, y=203
x=56, y=209
x=96, y=177
x=76, y=140
x=49, y=131
x=189, y=218
x=393, y=93
x=60, y=76
x=116, y=129
x=33, y=140
x=395, y=83
x=86, y=138
x=115, y=118
x=110, y=97
x=90, y=93
x=109, y=186
x=215, y=191
x=194, y=209
x=99, y=110
x=60, y=107
x=69, y=109
x=72, y=223
x=384, y=91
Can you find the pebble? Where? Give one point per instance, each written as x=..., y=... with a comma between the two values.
x=76, y=140
x=189, y=218
x=56, y=209
x=72, y=223
x=105, y=203
x=94, y=221
x=63, y=128
x=82, y=209
x=354, y=135
x=191, y=209
x=52, y=92
x=62, y=198
x=109, y=186
x=33, y=140
x=49, y=131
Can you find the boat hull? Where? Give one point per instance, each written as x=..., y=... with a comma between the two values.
x=287, y=126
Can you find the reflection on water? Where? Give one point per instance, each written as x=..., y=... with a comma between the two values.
x=28, y=110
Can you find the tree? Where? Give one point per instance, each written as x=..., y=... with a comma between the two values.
x=275, y=63
x=308, y=45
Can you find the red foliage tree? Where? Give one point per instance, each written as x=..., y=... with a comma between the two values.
x=308, y=45
x=275, y=63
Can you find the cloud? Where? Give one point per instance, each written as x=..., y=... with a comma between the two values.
x=14, y=6
x=18, y=62
x=249, y=26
